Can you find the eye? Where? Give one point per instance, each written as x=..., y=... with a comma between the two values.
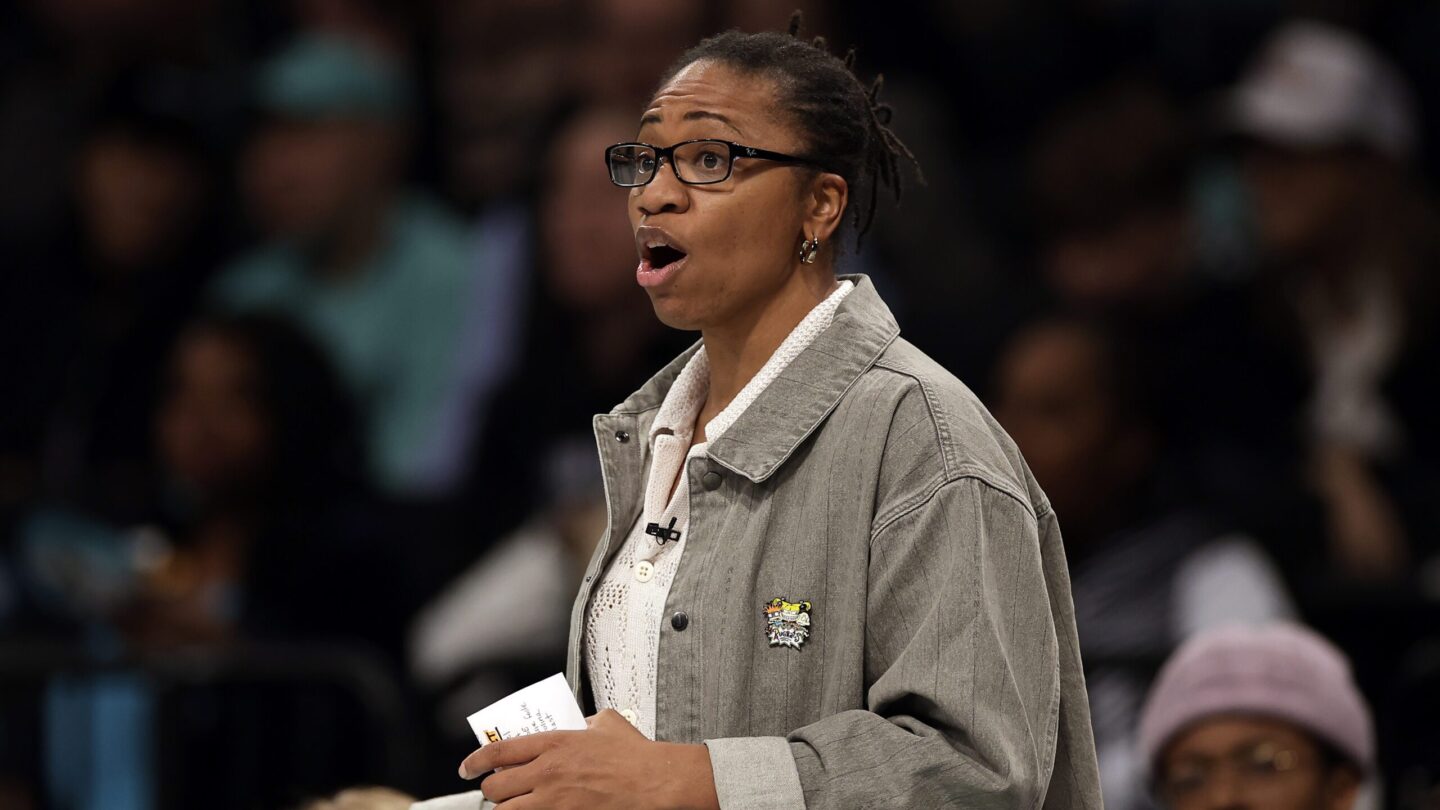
x=1263, y=767
x=647, y=164
x=1267, y=759
x=711, y=160
x=1185, y=782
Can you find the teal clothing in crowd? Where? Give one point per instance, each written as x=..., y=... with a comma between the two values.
x=393, y=329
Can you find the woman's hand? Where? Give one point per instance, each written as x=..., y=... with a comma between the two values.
x=609, y=765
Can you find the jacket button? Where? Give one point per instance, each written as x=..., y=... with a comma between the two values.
x=680, y=621
x=622, y=436
x=710, y=480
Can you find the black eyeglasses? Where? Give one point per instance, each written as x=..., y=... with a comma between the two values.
x=697, y=163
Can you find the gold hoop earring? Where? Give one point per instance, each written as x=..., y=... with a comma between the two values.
x=809, y=251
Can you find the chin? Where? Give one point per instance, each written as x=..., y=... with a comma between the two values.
x=672, y=312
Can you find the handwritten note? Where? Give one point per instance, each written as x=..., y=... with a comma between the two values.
x=545, y=706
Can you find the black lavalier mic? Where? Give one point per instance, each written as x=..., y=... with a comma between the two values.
x=663, y=533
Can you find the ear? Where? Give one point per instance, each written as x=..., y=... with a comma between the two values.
x=825, y=203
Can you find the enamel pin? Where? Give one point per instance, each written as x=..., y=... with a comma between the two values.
x=787, y=624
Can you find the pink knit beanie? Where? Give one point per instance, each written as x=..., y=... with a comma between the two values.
x=1278, y=670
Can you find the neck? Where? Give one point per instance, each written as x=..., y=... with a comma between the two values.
x=738, y=349
x=345, y=251
x=1353, y=242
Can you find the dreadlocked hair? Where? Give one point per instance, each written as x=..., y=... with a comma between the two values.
x=845, y=126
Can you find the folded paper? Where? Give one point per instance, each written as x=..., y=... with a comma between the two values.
x=545, y=706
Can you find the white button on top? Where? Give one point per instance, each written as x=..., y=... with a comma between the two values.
x=631, y=717
x=644, y=570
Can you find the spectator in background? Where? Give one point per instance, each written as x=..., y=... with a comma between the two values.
x=378, y=274
x=1326, y=129
x=589, y=326
x=536, y=507
x=1113, y=180
x=514, y=56
x=1264, y=717
x=260, y=534
x=258, y=456
x=504, y=70
x=533, y=59
x=501, y=623
x=630, y=42
x=58, y=61
x=1147, y=569
x=1109, y=177
x=86, y=330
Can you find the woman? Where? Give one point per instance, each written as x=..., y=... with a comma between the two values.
x=1277, y=703
x=260, y=446
x=256, y=500
x=254, y=491
x=829, y=579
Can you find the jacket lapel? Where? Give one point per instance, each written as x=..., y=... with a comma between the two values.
x=797, y=402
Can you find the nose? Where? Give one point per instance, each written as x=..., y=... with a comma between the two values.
x=664, y=194
x=1225, y=792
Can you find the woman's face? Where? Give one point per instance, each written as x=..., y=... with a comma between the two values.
x=1051, y=395
x=1251, y=763
x=1304, y=201
x=212, y=431
x=137, y=199
x=740, y=237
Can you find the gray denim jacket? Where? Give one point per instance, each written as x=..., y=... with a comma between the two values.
x=923, y=650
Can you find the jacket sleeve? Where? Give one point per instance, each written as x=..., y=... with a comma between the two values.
x=975, y=697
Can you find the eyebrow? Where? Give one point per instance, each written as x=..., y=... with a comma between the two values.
x=694, y=115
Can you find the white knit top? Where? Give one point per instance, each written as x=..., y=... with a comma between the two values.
x=626, y=612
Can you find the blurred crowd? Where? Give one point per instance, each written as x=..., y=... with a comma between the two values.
x=306, y=305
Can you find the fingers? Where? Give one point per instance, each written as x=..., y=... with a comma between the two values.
x=507, y=784
x=516, y=751
x=472, y=766
x=526, y=802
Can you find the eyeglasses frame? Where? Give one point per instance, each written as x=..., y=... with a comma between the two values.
x=737, y=151
x=1282, y=759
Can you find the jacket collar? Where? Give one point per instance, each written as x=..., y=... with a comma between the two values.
x=795, y=404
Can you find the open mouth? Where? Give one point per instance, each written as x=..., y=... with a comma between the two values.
x=664, y=256
x=660, y=257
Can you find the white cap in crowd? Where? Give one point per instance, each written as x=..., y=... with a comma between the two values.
x=1317, y=85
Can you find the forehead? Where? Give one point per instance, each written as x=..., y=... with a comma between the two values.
x=1220, y=734
x=712, y=100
